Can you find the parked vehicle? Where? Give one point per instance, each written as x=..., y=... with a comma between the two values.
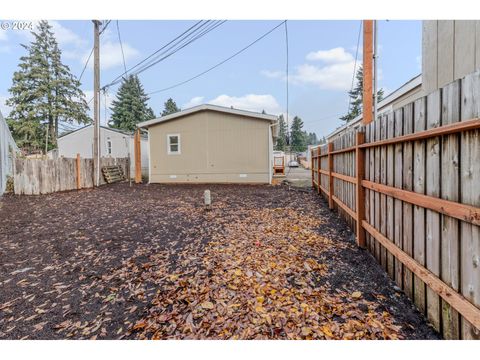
x=293, y=163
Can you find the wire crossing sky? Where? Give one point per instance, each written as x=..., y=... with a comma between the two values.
x=229, y=63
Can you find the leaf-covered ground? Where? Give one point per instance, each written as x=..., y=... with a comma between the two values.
x=149, y=262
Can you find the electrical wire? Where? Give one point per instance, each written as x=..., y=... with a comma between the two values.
x=86, y=63
x=218, y=64
x=114, y=81
x=180, y=46
x=91, y=52
x=355, y=66
x=104, y=27
x=121, y=47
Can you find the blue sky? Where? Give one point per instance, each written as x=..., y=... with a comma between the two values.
x=321, y=60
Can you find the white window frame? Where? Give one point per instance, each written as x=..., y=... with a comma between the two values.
x=169, y=152
x=109, y=147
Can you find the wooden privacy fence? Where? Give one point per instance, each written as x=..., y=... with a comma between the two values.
x=409, y=185
x=44, y=176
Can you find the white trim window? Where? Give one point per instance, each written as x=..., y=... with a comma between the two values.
x=173, y=144
x=109, y=147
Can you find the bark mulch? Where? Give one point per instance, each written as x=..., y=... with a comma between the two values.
x=149, y=262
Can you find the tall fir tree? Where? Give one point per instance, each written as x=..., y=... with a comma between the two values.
x=356, y=97
x=43, y=91
x=281, y=143
x=170, y=107
x=297, y=135
x=130, y=107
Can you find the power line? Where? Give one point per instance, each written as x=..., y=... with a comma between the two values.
x=104, y=27
x=86, y=63
x=180, y=46
x=220, y=63
x=121, y=47
x=91, y=52
x=154, y=53
x=355, y=66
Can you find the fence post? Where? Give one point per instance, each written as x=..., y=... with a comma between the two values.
x=330, y=177
x=319, y=166
x=138, y=161
x=79, y=185
x=312, y=162
x=360, y=193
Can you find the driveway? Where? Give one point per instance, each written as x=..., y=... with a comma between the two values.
x=299, y=176
x=149, y=262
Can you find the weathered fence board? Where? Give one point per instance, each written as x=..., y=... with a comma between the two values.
x=470, y=194
x=44, y=176
x=432, y=218
x=420, y=205
x=418, y=211
x=450, y=246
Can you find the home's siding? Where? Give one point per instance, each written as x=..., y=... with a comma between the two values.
x=215, y=147
x=7, y=147
x=450, y=50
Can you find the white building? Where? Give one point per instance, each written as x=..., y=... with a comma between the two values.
x=7, y=148
x=113, y=143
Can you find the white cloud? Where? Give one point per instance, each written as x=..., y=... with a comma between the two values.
x=111, y=54
x=3, y=35
x=330, y=77
x=250, y=102
x=335, y=74
x=195, y=101
x=335, y=55
x=273, y=74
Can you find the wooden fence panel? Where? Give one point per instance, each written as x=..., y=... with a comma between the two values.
x=44, y=176
x=421, y=200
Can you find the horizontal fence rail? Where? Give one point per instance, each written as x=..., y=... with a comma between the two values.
x=408, y=184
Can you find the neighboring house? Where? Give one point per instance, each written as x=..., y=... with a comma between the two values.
x=211, y=144
x=408, y=92
x=113, y=143
x=7, y=149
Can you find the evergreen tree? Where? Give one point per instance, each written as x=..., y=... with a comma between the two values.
x=281, y=144
x=130, y=107
x=170, y=107
x=297, y=135
x=311, y=138
x=356, y=97
x=43, y=91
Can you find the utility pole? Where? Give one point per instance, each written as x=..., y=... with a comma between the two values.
x=367, y=71
x=96, y=103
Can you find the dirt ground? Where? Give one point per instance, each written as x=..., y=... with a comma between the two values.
x=151, y=262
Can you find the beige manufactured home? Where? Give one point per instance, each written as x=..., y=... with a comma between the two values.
x=211, y=144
